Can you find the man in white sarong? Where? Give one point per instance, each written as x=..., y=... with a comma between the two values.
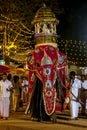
x=74, y=91
x=6, y=87
x=83, y=94
x=25, y=90
x=0, y=100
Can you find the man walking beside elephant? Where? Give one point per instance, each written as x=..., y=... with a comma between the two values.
x=74, y=94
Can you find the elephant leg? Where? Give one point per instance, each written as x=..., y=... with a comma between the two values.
x=53, y=117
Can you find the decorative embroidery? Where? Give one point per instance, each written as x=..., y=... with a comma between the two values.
x=48, y=84
x=47, y=71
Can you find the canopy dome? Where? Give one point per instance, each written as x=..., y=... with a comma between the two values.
x=44, y=14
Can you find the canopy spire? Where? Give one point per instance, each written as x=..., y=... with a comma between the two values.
x=44, y=5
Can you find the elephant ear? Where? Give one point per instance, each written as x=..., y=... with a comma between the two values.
x=62, y=66
x=31, y=68
x=62, y=59
x=31, y=80
x=31, y=61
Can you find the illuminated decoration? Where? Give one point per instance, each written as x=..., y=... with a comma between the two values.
x=2, y=62
x=15, y=39
x=45, y=26
x=10, y=47
x=18, y=33
x=76, y=51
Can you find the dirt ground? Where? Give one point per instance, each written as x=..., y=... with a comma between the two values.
x=28, y=125
x=20, y=121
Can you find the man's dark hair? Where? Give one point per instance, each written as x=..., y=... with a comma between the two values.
x=82, y=75
x=72, y=73
x=9, y=76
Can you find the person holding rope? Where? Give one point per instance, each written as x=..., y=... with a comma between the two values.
x=83, y=93
x=67, y=97
x=75, y=85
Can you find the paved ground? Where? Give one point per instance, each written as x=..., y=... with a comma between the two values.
x=20, y=121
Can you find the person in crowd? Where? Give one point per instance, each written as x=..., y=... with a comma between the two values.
x=16, y=93
x=6, y=88
x=83, y=93
x=67, y=97
x=9, y=77
x=75, y=85
x=0, y=99
x=86, y=98
x=0, y=77
x=24, y=85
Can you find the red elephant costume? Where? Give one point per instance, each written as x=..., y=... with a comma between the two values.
x=43, y=64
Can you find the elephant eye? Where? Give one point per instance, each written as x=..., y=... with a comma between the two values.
x=39, y=53
x=38, y=50
x=50, y=49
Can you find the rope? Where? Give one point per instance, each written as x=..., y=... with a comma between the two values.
x=73, y=94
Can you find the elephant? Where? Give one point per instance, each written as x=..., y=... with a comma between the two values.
x=44, y=63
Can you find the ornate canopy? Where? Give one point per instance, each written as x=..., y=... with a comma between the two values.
x=44, y=14
x=45, y=26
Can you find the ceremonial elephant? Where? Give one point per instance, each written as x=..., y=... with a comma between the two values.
x=43, y=64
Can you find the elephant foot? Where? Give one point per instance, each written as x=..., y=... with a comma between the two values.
x=53, y=120
x=53, y=117
x=33, y=119
x=39, y=119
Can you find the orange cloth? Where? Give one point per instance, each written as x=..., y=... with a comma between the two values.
x=67, y=95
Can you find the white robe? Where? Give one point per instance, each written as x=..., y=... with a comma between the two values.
x=74, y=105
x=5, y=97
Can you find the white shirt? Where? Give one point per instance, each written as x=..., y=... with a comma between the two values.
x=75, y=87
x=4, y=86
x=25, y=82
x=25, y=85
x=84, y=84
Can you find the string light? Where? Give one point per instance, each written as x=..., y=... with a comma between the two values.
x=75, y=50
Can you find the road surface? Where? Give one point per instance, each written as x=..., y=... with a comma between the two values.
x=20, y=121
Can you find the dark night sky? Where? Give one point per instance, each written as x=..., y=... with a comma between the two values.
x=73, y=17
x=73, y=21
